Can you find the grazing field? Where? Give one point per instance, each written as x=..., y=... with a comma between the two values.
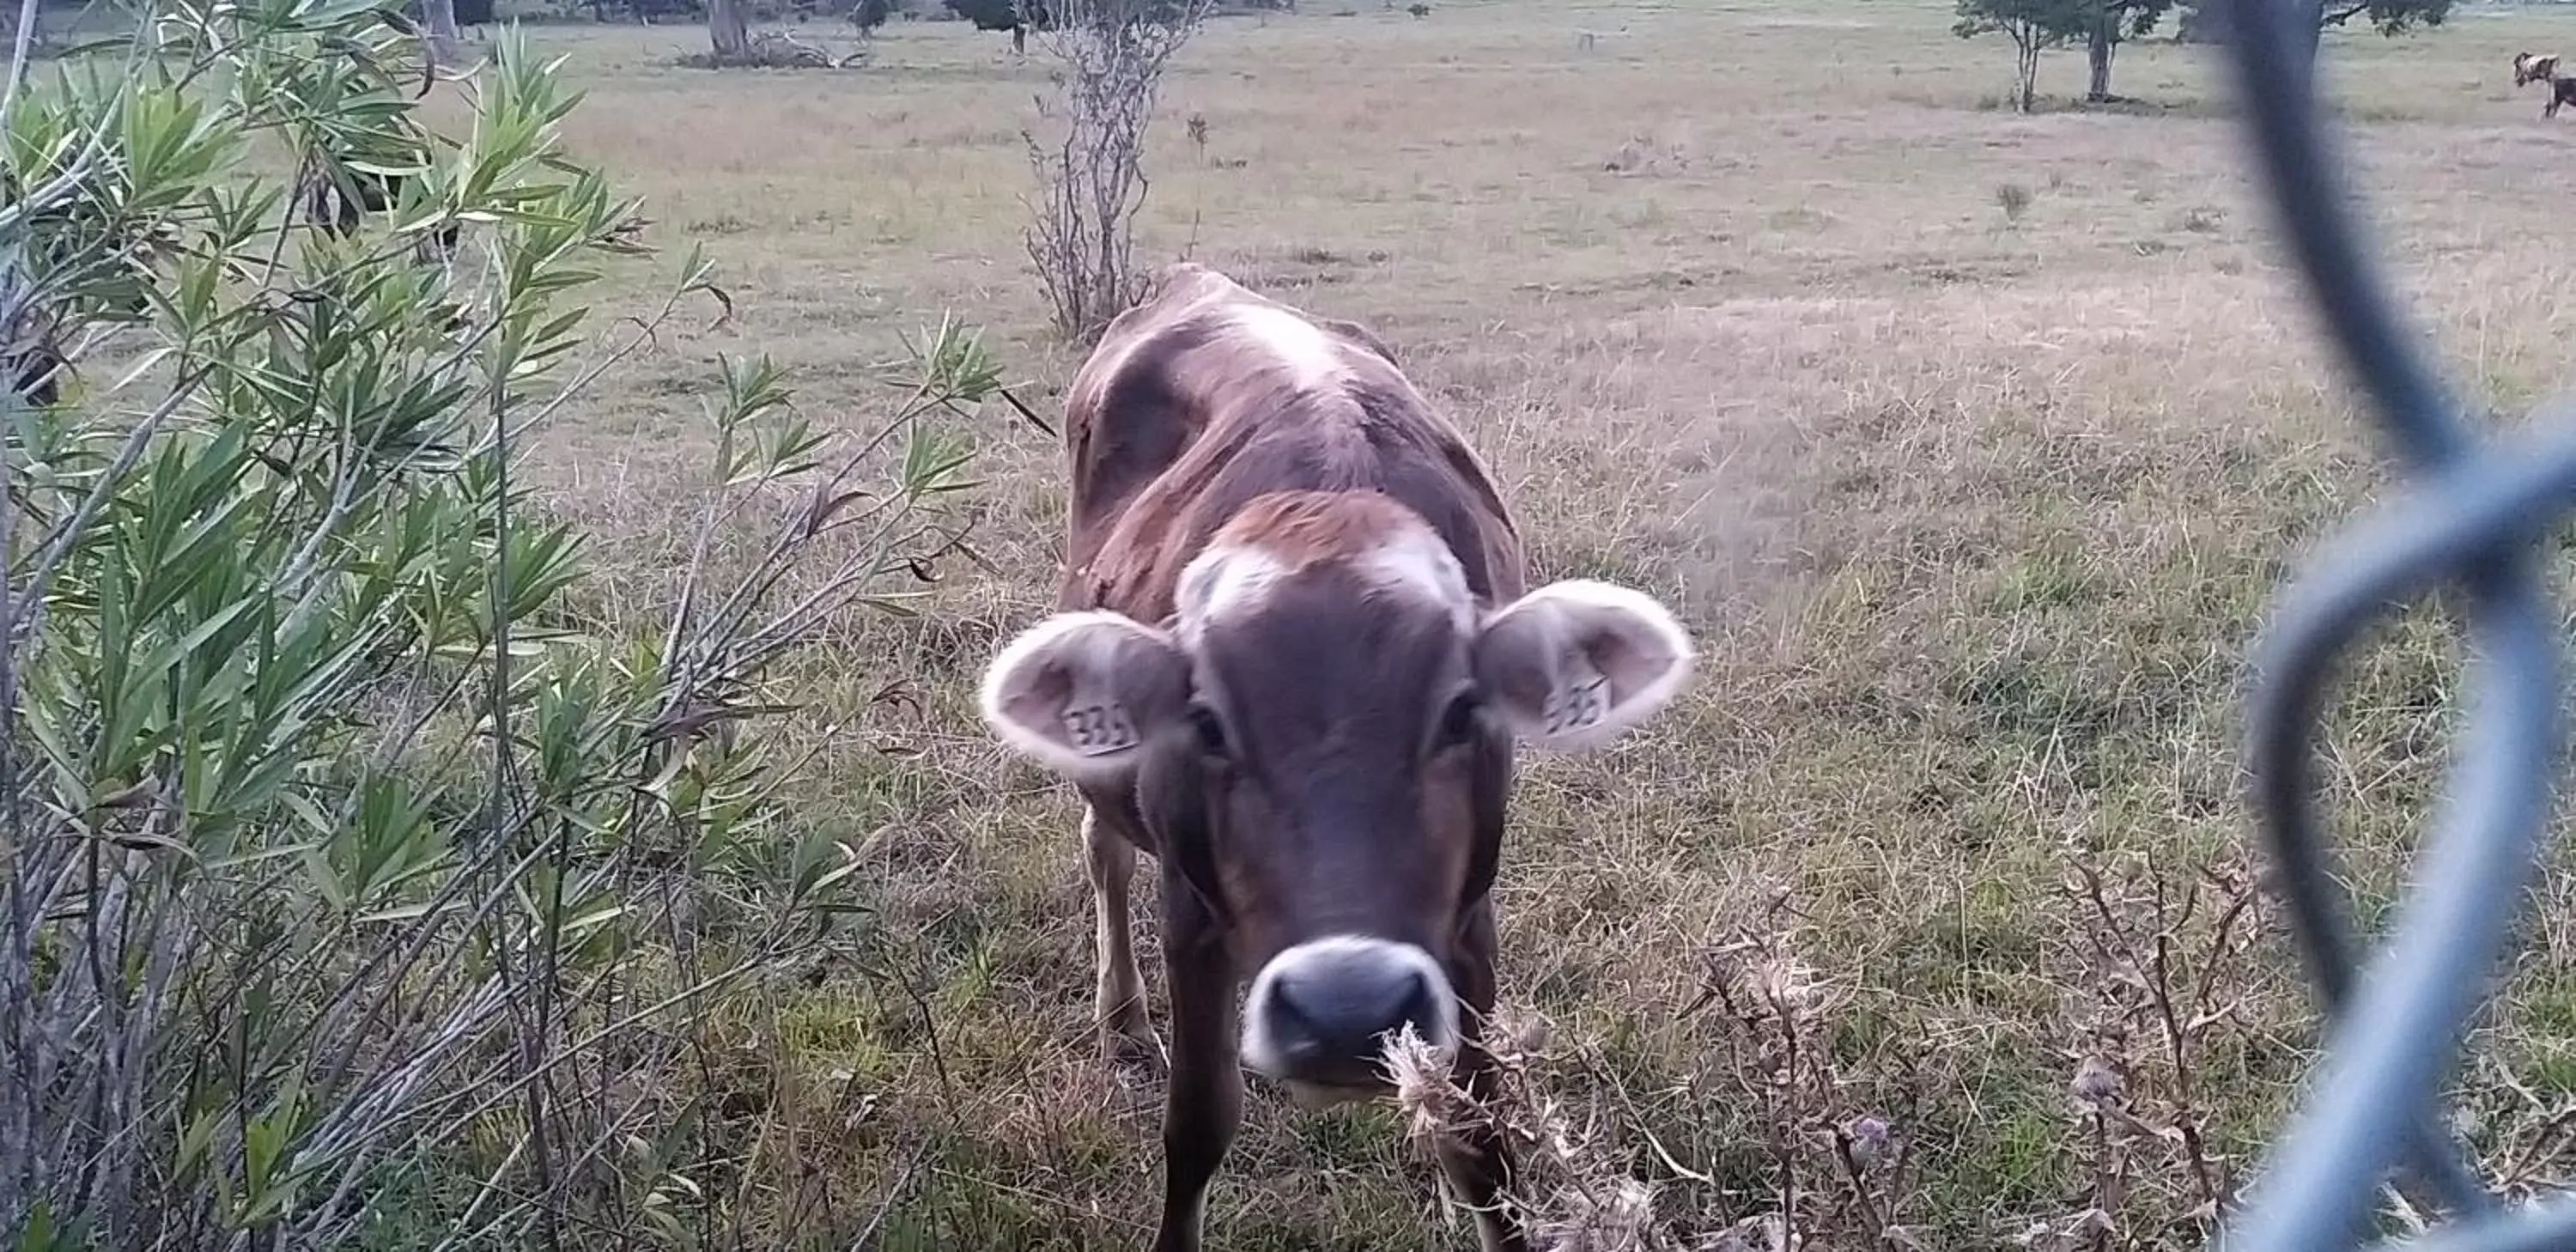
x=1973, y=444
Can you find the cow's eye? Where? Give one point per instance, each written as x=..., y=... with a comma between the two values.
x=1458, y=721
x=1207, y=730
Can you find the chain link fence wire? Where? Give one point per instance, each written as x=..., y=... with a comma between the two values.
x=2470, y=517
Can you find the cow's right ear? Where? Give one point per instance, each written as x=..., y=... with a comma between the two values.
x=1080, y=693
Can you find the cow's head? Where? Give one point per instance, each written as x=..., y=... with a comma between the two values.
x=1320, y=740
x=2528, y=68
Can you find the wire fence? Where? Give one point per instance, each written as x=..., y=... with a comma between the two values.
x=2469, y=517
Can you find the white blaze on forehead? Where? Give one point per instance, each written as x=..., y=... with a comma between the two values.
x=1230, y=580
x=1297, y=343
x=1223, y=582
x=1416, y=561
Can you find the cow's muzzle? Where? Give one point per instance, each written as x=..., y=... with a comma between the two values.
x=1320, y=1012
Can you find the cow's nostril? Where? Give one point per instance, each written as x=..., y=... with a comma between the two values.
x=1421, y=1007
x=1344, y=1018
x=1300, y=1036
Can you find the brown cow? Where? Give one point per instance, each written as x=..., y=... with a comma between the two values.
x=2529, y=69
x=32, y=366
x=2562, y=92
x=335, y=195
x=1293, y=657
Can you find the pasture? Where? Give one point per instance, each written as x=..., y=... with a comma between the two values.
x=1971, y=443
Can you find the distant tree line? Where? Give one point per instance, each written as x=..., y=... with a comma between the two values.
x=2101, y=26
x=481, y=12
x=1033, y=14
x=1022, y=16
x=995, y=15
x=696, y=10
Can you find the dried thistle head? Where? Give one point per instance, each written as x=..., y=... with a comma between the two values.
x=1868, y=1141
x=1763, y=1232
x=1617, y=1217
x=1783, y=981
x=2097, y=1085
x=1513, y=1036
x=1761, y=965
x=1431, y=1103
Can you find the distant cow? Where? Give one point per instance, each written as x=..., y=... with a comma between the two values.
x=32, y=366
x=1016, y=16
x=335, y=196
x=2528, y=69
x=2561, y=92
x=1292, y=657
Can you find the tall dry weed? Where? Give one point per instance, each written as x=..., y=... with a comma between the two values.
x=1840, y=1176
x=1569, y=1189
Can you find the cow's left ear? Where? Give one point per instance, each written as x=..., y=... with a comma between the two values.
x=1081, y=693
x=1572, y=664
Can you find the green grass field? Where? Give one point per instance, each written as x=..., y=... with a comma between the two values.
x=1973, y=445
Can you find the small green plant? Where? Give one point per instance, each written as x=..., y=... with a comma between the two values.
x=354, y=895
x=2014, y=199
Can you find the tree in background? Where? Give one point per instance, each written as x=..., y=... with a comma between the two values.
x=868, y=15
x=728, y=30
x=2388, y=17
x=2033, y=26
x=2204, y=22
x=438, y=28
x=733, y=44
x=2114, y=21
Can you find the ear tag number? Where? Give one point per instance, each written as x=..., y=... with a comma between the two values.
x=1582, y=703
x=1096, y=724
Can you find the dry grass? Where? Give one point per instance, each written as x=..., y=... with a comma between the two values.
x=1973, y=509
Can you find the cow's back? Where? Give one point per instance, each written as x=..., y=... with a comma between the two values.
x=1209, y=396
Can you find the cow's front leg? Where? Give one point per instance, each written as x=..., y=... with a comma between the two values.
x=1126, y=1033
x=1477, y=1158
x=1205, y=1100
